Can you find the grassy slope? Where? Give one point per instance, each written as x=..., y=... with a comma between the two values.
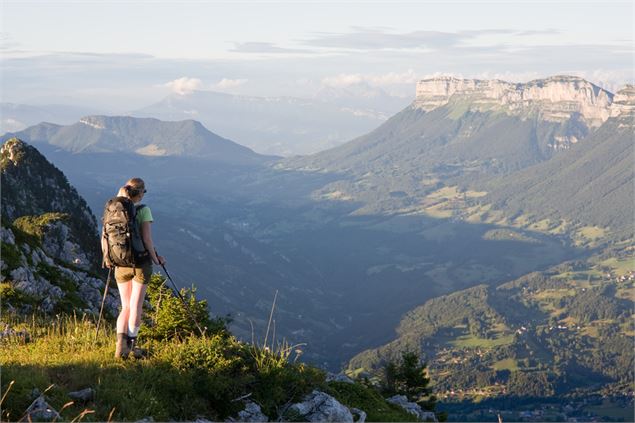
x=180, y=380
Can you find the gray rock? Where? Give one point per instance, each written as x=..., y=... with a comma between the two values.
x=428, y=416
x=412, y=408
x=22, y=335
x=251, y=413
x=57, y=243
x=35, y=257
x=40, y=410
x=26, y=281
x=83, y=395
x=147, y=419
x=332, y=377
x=6, y=235
x=321, y=407
x=361, y=415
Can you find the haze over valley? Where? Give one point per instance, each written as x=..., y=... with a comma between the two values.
x=354, y=237
x=451, y=180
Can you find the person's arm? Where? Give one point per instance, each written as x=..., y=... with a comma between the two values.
x=146, y=235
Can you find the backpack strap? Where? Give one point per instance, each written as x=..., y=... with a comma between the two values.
x=137, y=208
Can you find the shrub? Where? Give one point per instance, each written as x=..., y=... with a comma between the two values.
x=216, y=366
x=409, y=377
x=168, y=317
x=275, y=388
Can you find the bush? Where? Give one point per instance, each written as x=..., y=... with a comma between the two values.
x=409, y=377
x=275, y=388
x=216, y=366
x=168, y=317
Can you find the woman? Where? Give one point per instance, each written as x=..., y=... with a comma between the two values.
x=132, y=282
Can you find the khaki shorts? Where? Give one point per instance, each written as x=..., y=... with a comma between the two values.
x=140, y=274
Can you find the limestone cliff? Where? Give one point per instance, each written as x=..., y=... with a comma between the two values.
x=31, y=186
x=557, y=98
x=623, y=107
x=50, y=249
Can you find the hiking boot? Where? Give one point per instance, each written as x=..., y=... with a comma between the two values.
x=121, y=349
x=135, y=350
x=139, y=353
x=131, y=342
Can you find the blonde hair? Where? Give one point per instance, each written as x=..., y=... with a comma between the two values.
x=133, y=188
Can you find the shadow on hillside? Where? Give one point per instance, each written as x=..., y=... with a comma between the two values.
x=344, y=280
x=133, y=390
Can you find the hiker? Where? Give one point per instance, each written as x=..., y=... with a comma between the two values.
x=132, y=280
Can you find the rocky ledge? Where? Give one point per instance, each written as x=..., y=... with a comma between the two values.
x=557, y=98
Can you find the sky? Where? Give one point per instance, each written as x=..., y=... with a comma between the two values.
x=124, y=55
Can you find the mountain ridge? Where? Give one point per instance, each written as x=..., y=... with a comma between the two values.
x=144, y=136
x=555, y=98
x=284, y=125
x=50, y=246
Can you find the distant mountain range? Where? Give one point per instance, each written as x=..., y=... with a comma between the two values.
x=283, y=126
x=16, y=117
x=491, y=125
x=475, y=182
x=462, y=133
x=143, y=136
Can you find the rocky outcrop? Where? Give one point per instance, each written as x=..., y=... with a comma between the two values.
x=44, y=284
x=251, y=413
x=340, y=377
x=32, y=187
x=58, y=242
x=83, y=395
x=321, y=407
x=412, y=408
x=623, y=107
x=50, y=248
x=557, y=98
x=361, y=415
x=40, y=411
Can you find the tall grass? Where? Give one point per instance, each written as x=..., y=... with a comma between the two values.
x=182, y=378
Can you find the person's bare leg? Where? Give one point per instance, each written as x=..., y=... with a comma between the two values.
x=125, y=290
x=137, y=296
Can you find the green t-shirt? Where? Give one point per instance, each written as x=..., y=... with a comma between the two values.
x=144, y=215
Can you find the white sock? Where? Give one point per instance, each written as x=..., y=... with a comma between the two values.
x=133, y=331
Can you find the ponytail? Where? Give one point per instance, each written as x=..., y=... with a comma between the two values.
x=132, y=191
x=133, y=188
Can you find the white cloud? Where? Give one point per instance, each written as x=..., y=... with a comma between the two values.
x=228, y=84
x=386, y=79
x=184, y=86
x=391, y=78
x=342, y=80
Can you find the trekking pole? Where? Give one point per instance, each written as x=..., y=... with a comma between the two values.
x=187, y=306
x=103, y=301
